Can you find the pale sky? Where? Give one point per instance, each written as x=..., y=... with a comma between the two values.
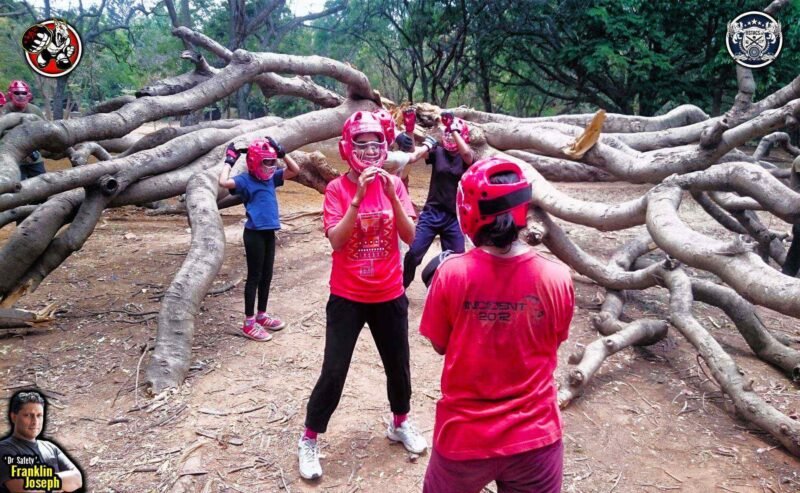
x=303, y=7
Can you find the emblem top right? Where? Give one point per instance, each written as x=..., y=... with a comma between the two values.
x=754, y=39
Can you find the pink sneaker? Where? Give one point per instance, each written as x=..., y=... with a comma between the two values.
x=271, y=323
x=255, y=332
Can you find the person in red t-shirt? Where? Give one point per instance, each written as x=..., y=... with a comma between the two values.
x=498, y=315
x=364, y=213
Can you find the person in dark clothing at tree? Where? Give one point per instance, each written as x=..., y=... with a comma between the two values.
x=19, y=96
x=448, y=162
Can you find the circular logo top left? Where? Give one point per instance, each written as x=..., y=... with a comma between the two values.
x=52, y=48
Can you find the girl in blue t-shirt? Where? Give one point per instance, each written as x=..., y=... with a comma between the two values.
x=257, y=190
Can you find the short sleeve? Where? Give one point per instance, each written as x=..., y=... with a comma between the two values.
x=567, y=311
x=402, y=194
x=435, y=323
x=241, y=187
x=37, y=111
x=561, y=294
x=277, y=178
x=332, y=209
x=64, y=464
x=5, y=471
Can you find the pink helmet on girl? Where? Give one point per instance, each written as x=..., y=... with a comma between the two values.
x=362, y=122
x=259, y=151
x=19, y=92
x=479, y=201
x=460, y=126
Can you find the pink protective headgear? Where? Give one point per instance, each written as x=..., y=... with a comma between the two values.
x=19, y=100
x=479, y=201
x=361, y=122
x=259, y=151
x=460, y=126
x=2, y=99
x=387, y=122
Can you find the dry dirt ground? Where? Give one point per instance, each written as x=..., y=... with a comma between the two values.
x=650, y=421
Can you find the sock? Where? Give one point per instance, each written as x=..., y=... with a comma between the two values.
x=399, y=419
x=310, y=434
x=261, y=315
x=248, y=321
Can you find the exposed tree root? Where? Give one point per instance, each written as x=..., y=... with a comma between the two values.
x=724, y=370
x=593, y=356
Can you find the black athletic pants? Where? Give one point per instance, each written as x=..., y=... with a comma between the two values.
x=259, y=247
x=388, y=323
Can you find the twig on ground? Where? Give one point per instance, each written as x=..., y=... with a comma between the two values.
x=138, y=366
x=640, y=395
x=619, y=477
x=215, y=412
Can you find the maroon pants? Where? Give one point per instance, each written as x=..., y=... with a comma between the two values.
x=538, y=471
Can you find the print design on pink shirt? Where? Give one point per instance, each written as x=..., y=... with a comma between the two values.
x=501, y=311
x=372, y=236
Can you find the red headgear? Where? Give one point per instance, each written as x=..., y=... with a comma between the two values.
x=2, y=99
x=448, y=142
x=19, y=93
x=259, y=151
x=387, y=122
x=361, y=122
x=479, y=202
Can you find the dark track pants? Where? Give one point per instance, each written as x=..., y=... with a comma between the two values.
x=388, y=323
x=30, y=170
x=432, y=221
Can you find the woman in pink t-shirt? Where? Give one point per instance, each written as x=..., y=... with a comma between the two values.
x=364, y=213
x=498, y=314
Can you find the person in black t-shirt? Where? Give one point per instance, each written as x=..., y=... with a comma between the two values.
x=22, y=450
x=448, y=162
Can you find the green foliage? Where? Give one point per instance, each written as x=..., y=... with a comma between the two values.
x=634, y=55
x=12, y=58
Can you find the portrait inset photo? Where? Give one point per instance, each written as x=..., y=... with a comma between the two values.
x=29, y=463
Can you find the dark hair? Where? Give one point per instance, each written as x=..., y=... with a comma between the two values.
x=22, y=398
x=502, y=232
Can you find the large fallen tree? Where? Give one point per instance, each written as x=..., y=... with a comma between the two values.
x=684, y=155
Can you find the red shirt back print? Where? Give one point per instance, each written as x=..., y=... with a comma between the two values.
x=501, y=321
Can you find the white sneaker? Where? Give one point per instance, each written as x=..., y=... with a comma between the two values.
x=308, y=454
x=408, y=435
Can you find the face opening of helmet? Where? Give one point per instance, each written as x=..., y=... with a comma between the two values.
x=449, y=142
x=368, y=148
x=268, y=167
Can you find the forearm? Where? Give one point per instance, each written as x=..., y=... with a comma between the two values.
x=17, y=486
x=339, y=234
x=405, y=225
x=292, y=167
x=420, y=152
x=225, y=178
x=463, y=149
x=70, y=480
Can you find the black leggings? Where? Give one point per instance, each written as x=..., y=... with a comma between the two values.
x=388, y=322
x=259, y=247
